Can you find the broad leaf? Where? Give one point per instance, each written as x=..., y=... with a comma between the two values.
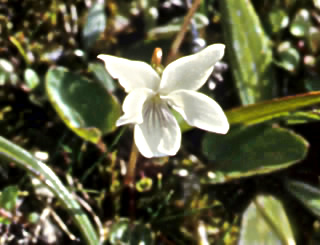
x=102, y=76
x=85, y=106
x=249, y=151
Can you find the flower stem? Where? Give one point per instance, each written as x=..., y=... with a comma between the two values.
x=131, y=173
x=130, y=178
x=178, y=40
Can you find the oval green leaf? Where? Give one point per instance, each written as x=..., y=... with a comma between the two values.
x=254, y=150
x=85, y=106
x=101, y=74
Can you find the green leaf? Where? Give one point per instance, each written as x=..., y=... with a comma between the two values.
x=23, y=159
x=265, y=222
x=125, y=232
x=31, y=78
x=96, y=23
x=85, y=106
x=249, y=51
x=8, y=198
x=102, y=76
x=254, y=150
x=307, y=194
x=184, y=126
x=264, y=111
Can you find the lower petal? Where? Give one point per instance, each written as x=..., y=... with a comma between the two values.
x=159, y=135
x=133, y=105
x=199, y=110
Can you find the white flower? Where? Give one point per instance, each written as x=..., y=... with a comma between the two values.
x=149, y=99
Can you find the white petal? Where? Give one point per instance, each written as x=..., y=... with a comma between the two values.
x=133, y=105
x=159, y=134
x=199, y=110
x=131, y=74
x=191, y=72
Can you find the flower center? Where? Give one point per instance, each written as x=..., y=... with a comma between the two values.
x=156, y=99
x=156, y=113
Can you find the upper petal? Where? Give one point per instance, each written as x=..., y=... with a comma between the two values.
x=159, y=134
x=199, y=110
x=192, y=71
x=132, y=106
x=131, y=74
